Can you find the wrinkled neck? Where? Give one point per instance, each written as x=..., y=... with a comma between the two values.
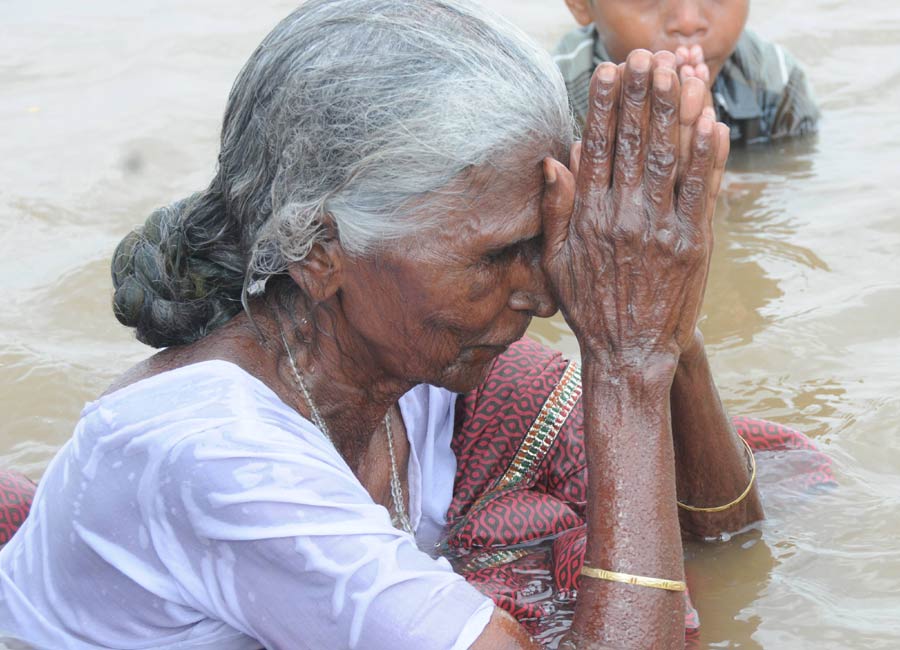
x=349, y=387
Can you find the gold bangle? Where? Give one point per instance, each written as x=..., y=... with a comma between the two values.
x=743, y=494
x=627, y=578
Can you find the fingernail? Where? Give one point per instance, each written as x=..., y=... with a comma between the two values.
x=662, y=80
x=664, y=59
x=704, y=124
x=549, y=172
x=710, y=113
x=607, y=72
x=639, y=60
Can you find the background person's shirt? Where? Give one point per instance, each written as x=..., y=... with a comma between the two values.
x=194, y=509
x=761, y=93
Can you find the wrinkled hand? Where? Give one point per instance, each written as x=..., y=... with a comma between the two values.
x=627, y=229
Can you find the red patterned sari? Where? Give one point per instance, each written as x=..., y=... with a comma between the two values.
x=516, y=523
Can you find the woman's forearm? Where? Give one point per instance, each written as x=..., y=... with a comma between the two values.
x=711, y=463
x=631, y=517
x=627, y=240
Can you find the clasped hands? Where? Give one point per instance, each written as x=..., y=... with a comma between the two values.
x=628, y=223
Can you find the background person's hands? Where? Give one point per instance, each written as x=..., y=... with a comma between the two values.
x=690, y=63
x=627, y=230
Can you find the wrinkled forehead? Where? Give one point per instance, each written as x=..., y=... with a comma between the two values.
x=512, y=177
x=496, y=207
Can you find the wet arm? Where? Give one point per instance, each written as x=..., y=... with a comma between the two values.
x=628, y=266
x=711, y=462
x=503, y=632
x=631, y=518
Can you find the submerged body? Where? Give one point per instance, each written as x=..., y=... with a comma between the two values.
x=361, y=239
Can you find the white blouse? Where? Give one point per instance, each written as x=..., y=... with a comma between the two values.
x=194, y=509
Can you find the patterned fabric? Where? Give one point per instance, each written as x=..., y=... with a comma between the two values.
x=763, y=435
x=761, y=92
x=516, y=522
x=16, y=495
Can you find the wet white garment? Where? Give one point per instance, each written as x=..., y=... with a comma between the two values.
x=194, y=509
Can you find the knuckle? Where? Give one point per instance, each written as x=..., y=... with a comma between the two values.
x=664, y=112
x=655, y=196
x=690, y=247
x=693, y=192
x=595, y=149
x=702, y=149
x=601, y=102
x=579, y=230
x=665, y=237
x=636, y=87
x=627, y=233
x=628, y=148
x=661, y=161
x=690, y=250
x=601, y=97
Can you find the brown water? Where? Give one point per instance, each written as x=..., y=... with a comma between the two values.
x=109, y=109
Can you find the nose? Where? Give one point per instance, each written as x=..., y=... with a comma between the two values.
x=686, y=20
x=531, y=290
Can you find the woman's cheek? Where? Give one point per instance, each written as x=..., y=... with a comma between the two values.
x=485, y=280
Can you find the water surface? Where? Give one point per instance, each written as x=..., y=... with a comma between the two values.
x=110, y=109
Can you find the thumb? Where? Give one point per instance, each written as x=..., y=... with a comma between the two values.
x=556, y=206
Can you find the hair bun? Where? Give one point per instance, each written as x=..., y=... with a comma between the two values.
x=170, y=283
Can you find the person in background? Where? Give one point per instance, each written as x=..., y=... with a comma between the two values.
x=758, y=89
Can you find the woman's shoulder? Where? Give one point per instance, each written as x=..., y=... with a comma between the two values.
x=189, y=403
x=205, y=379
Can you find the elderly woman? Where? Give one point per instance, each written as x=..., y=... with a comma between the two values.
x=389, y=213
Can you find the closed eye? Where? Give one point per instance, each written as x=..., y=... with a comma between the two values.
x=526, y=248
x=502, y=255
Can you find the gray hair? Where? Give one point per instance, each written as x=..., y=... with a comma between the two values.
x=359, y=110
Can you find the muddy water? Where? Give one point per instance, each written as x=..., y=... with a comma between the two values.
x=110, y=109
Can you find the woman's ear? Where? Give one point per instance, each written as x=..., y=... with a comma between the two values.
x=321, y=273
x=581, y=11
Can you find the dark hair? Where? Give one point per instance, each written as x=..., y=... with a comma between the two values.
x=180, y=276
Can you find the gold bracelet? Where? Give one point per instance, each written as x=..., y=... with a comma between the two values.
x=627, y=578
x=743, y=494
